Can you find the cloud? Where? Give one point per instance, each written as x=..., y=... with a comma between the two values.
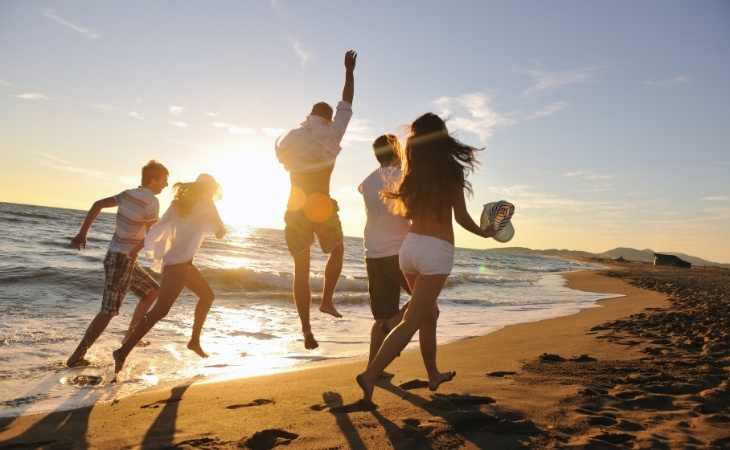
x=682, y=79
x=587, y=175
x=179, y=124
x=101, y=106
x=211, y=114
x=5, y=83
x=273, y=132
x=301, y=53
x=545, y=80
x=548, y=110
x=717, y=198
x=176, y=110
x=233, y=129
x=86, y=32
x=471, y=113
x=137, y=115
x=53, y=157
x=359, y=130
x=33, y=96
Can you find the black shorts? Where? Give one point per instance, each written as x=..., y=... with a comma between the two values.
x=385, y=281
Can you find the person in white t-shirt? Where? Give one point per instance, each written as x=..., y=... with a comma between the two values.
x=308, y=153
x=137, y=211
x=172, y=243
x=384, y=233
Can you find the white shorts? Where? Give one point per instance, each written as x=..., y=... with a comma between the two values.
x=426, y=255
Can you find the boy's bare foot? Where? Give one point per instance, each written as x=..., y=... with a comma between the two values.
x=77, y=361
x=441, y=378
x=330, y=309
x=367, y=388
x=309, y=342
x=385, y=374
x=195, y=346
x=118, y=361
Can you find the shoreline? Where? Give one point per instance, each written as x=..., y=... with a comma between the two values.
x=512, y=391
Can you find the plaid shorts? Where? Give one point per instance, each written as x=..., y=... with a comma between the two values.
x=123, y=275
x=320, y=219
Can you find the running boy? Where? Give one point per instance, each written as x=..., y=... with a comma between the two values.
x=137, y=210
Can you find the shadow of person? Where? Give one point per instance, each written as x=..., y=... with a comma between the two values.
x=461, y=414
x=334, y=401
x=162, y=431
x=70, y=422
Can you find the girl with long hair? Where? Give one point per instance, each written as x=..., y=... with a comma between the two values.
x=172, y=243
x=430, y=192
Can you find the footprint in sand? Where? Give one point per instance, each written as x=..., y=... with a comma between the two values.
x=160, y=402
x=257, y=402
x=413, y=384
x=500, y=374
x=267, y=439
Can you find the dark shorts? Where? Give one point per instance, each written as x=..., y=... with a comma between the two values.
x=318, y=218
x=123, y=275
x=385, y=281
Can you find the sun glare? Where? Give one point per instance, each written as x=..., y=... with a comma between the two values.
x=255, y=189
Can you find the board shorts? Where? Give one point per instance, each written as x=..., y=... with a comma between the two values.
x=426, y=255
x=300, y=229
x=123, y=274
x=385, y=280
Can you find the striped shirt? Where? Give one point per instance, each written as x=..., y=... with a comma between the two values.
x=136, y=208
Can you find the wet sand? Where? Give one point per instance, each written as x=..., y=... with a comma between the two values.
x=647, y=370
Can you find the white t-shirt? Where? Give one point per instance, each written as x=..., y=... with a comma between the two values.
x=384, y=231
x=135, y=209
x=315, y=145
x=175, y=239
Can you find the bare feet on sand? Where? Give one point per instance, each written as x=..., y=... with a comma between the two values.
x=330, y=309
x=118, y=361
x=367, y=388
x=309, y=342
x=434, y=383
x=195, y=346
x=77, y=361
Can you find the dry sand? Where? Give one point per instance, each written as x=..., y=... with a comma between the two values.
x=648, y=370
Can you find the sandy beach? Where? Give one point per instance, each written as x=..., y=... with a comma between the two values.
x=647, y=370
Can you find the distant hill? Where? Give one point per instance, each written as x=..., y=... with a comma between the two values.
x=631, y=254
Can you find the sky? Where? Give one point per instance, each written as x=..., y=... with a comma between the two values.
x=605, y=123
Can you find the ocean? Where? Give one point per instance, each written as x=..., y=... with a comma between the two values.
x=49, y=292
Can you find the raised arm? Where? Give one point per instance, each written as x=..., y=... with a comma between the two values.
x=348, y=92
x=80, y=239
x=464, y=219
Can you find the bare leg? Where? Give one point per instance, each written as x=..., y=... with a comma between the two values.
x=425, y=293
x=96, y=327
x=332, y=272
x=427, y=341
x=303, y=297
x=173, y=282
x=142, y=307
x=200, y=287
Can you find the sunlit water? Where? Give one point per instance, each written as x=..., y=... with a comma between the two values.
x=49, y=292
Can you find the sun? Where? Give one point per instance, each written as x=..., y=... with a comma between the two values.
x=255, y=189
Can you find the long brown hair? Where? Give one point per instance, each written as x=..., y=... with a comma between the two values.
x=434, y=164
x=187, y=194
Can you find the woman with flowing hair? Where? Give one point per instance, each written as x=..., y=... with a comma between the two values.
x=172, y=243
x=430, y=192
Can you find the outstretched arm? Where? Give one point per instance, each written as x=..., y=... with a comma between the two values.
x=464, y=219
x=80, y=239
x=348, y=92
